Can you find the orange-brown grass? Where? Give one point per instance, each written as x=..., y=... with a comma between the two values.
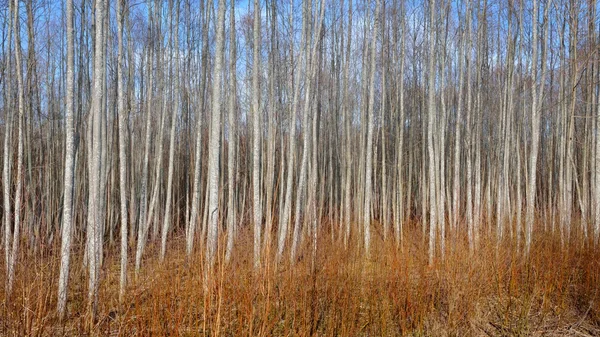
x=494, y=292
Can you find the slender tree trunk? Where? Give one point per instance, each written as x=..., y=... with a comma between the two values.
x=191, y=227
x=295, y=86
x=96, y=164
x=214, y=147
x=597, y=144
x=456, y=182
x=348, y=132
x=19, y=183
x=312, y=65
x=468, y=133
x=6, y=165
x=142, y=231
x=66, y=236
x=174, y=114
x=256, y=139
x=370, y=127
x=535, y=122
x=431, y=122
x=122, y=151
x=231, y=149
x=400, y=148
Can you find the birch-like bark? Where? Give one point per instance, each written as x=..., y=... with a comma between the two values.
x=597, y=145
x=163, y=72
x=95, y=165
x=191, y=226
x=370, y=128
x=123, y=115
x=66, y=236
x=431, y=122
x=14, y=245
x=271, y=134
x=382, y=117
x=348, y=135
x=214, y=147
x=231, y=149
x=400, y=147
x=456, y=186
x=468, y=136
x=293, y=83
x=148, y=135
x=256, y=138
x=6, y=157
x=174, y=113
x=312, y=65
x=535, y=134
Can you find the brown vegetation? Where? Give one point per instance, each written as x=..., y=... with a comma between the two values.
x=495, y=292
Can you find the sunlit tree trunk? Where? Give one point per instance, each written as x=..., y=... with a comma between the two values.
x=66, y=236
x=232, y=143
x=96, y=164
x=214, y=147
x=431, y=130
x=142, y=231
x=293, y=84
x=6, y=157
x=14, y=244
x=174, y=113
x=370, y=128
x=597, y=142
x=256, y=138
x=123, y=121
x=348, y=132
x=191, y=226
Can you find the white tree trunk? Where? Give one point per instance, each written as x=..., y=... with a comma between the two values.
x=145, y=166
x=174, y=113
x=214, y=147
x=231, y=149
x=431, y=122
x=256, y=124
x=191, y=227
x=370, y=127
x=535, y=135
x=6, y=165
x=94, y=224
x=123, y=116
x=66, y=233
x=14, y=245
x=287, y=208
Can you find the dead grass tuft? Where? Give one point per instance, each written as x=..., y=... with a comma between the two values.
x=495, y=292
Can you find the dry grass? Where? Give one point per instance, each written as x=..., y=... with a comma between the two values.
x=495, y=292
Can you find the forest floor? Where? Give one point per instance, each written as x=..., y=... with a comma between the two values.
x=494, y=292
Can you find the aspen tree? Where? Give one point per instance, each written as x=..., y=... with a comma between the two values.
x=347, y=126
x=191, y=226
x=174, y=113
x=214, y=147
x=431, y=121
x=293, y=85
x=142, y=231
x=597, y=144
x=6, y=156
x=370, y=128
x=122, y=115
x=66, y=234
x=232, y=124
x=95, y=164
x=13, y=245
x=256, y=138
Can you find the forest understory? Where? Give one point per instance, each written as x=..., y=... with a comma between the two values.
x=495, y=291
